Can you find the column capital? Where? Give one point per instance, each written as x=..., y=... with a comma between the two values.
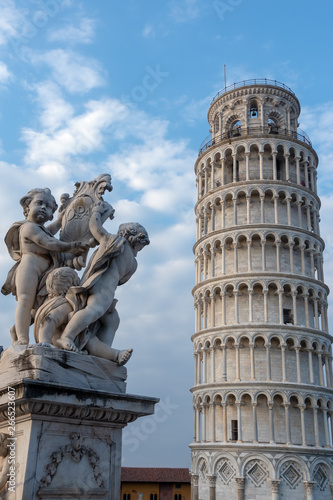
x=240, y=482
x=275, y=485
x=211, y=479
x=194, y=479
x=309, y=486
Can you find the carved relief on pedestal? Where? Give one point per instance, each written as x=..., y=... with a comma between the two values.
x=72, y=454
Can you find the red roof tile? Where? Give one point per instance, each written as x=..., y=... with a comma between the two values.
x=154, y=475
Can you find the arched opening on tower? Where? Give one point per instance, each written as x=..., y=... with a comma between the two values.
x=254, y=110
x=280, y=164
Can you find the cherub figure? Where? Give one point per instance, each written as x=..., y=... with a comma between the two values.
x=111, y=265
x=53, y=316
x=37, y=252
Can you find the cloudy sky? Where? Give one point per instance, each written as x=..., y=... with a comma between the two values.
x=124, y=87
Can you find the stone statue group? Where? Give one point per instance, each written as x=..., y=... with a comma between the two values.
x=68, y=312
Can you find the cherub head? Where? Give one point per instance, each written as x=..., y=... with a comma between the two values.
x=39, y=205
x=136, y=234
x=60, y=280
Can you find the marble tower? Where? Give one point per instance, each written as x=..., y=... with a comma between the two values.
x=262, y=395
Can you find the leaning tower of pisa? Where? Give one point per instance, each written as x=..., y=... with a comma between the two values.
x=262, y=395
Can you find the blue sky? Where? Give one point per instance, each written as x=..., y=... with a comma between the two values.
x=124, y=87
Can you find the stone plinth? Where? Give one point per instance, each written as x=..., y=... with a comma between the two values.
x=70, y=410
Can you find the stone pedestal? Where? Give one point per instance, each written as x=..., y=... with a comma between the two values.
x=64, y=437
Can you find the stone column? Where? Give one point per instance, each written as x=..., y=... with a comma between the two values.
x=222, y=171
x=249, y=257
x=248, y=213
x=265, y=292
x=263, y=255
x=212, y=482
x=206, y=178
x=222, y=214
x=306, y=172
x=309, y=486
x=255, y=423
x=236, y=293
x=247, y=171
x=234, y=201
x=298, y=368
x=276, y=214
x=320, y=366
x=283, y=362
x=275, y=488
x=250, y=306
x=212, y=310
x=268, y=361
x=261, y=170
x=271, y=423
x=299, y=211
x=316, y=429
x=280, y=292
x=298, y=171
x=212, y=178
x=234, y=168
x=278, y=244
x=288, y=200
x=213, y=363
x=240, y=488
x=212, y=215
x=213, y=422
x=194, y=486
x=294, y=295
x=203, y=411
x=223, y=308
x=286, y=157
x=287, y=417
x=237, y=363
x=327, y=438
x=291, y=255
x=225, y=422
x=306, y=307
x=310, y=364
x=262, y=209
x=274, y=153
x=235, y=245
x=224, y=362
x=204, y=366
x=253, y=376
x=239, y=419
x=302, y=409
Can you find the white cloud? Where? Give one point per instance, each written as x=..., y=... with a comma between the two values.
x=317, y=122
x=84, y=33
x=55, y=111
x=10, y=19
x=148, y=31
x=72, y=71
x=183, y=11
x=81, y=135
x=5, y=74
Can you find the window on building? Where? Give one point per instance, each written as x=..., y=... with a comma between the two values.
x=126, y=496
x=287, y=316
x=253, y=109
x=178, y=486
x=273, y=127
x=178, y=496
x=153, y=496
x=234, y=430
x=236, y=129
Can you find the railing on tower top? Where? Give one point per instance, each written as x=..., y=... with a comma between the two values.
x=257, y=81
x=248, y=131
